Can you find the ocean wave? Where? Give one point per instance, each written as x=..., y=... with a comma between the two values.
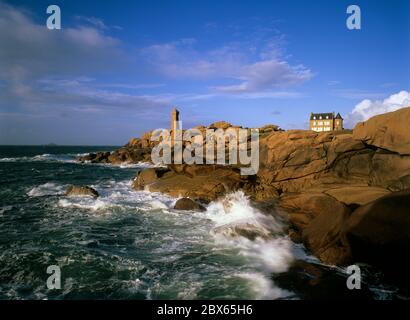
x=5, y=209
x=118, y=195
x=73, y=158
x=262, y=287
x=260, y=257
x=47, y=189
x=269, y=251
x=46, y=157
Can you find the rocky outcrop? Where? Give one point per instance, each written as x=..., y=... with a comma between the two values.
x=126, y=154
x=338, y=164
x=326, y=185
x=324, y=237
x=188, y=204
x=203, y=182
x=99, y=157
x=318, y=282
x=135, y=151
x=294, y=161
x=139, y=149
x=269, y=128
x=389, y=131
x=247, y=230
x=342, y=192
x=379, y=233
x=302, y=208
x=220, y=125
x=356, y=195
x=148, y=176
x=81, y=191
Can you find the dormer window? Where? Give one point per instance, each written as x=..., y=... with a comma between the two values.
x=320, y=117
x=327, y=117
x=314, y=118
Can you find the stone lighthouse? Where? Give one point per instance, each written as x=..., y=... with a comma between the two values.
x=174, y=120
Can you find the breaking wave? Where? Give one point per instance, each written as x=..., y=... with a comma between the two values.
x=47, y=189
x=45, y=157
x=117, y=195
x=231, y=225
x=258, y=237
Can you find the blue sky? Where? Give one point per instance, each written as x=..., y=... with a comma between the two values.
x=116, y=68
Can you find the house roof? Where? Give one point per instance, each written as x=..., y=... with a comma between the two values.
x=338, y=116
x=317, y=116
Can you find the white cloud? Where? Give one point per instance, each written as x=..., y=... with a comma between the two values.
x=266, y=75
x=96, y=22
x=41, y=68
x=355, y=94
x=368, y=108
x=243, y=68
x=333, y=83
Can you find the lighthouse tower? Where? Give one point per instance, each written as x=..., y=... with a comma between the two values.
x=174, y=120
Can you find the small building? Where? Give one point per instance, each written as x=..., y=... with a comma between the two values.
x=322, y=122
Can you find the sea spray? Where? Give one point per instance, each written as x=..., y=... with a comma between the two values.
x=263, y=243
x=47, y=189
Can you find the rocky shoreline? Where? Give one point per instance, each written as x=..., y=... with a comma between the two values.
x=346, y=195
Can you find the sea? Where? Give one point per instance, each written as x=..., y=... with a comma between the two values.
x=129, y=244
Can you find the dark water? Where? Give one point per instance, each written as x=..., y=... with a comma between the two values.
x=127, y=244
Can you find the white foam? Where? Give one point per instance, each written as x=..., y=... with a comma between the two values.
x=137, y=165
x=46, y=157
x=268, y=255
x=8, y=159
x=46, y=189
x=262, y=286
x=120, y=195
x=84, y=203
x=236, y=208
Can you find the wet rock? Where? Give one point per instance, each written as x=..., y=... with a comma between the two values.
x=148, y=176
x=311, y=281
x=81, y=191
x=98, y=157
x=188, y=204
x=207, y=182
x=247, y=230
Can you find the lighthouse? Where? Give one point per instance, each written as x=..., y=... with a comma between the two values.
x=174, y=120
